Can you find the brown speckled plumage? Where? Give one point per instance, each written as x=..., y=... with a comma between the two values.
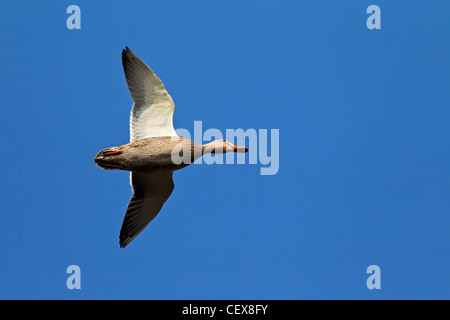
x=150, y=155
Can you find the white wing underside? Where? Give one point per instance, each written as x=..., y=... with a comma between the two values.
x=153, y=108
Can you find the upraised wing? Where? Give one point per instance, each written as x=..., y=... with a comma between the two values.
x=153, y=107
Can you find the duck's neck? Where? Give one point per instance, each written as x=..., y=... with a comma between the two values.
x=210, y=147
x=198, y=150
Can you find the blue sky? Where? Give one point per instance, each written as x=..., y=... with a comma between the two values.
x=364, y=120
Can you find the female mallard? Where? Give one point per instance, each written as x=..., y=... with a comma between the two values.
x=154, y=151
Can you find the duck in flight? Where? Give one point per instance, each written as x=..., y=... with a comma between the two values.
x=149, y=155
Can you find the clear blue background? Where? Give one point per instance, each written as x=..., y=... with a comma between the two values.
x=364, y=173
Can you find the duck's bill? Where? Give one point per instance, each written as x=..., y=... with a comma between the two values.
x=240, y=149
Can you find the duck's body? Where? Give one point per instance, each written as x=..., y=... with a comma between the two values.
x=150, y=155
x=155, y=150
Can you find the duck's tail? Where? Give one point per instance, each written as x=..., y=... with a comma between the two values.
x=107, y=158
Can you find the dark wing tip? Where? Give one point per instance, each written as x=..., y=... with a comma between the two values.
x=127, y=54
x=125, y=237
x=123, y=244
x=124, y=241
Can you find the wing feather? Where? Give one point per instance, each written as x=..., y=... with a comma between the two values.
x=153, y=107
x=150, y=192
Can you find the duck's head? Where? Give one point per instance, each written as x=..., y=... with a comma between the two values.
x=222, y=146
